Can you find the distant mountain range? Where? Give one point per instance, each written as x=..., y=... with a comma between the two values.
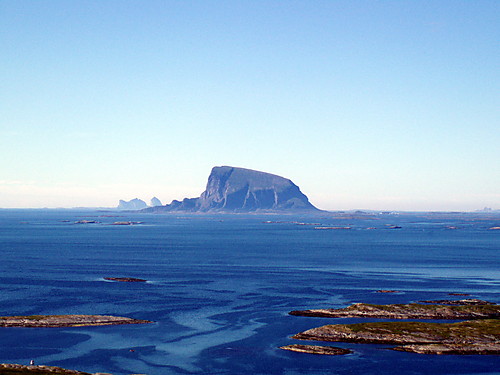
x=231, y=189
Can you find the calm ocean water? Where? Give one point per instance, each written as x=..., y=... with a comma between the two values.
x=220, y=287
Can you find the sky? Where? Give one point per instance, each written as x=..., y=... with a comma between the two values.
x=383, y=105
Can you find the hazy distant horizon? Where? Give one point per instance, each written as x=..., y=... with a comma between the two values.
x=485, y=210
x=389, y=105
x=408, y=206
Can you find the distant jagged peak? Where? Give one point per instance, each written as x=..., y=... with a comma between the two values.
x=133, y=204
x=155, y=202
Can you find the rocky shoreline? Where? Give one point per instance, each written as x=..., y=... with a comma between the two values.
x=54, y=321
x=471, y=301
x=468, y=337
x=316, y=349
x=15, y=369
x=479, y=334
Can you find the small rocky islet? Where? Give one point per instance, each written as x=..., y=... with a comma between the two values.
x=125, y=279
x=54, y=321
x=478, y=334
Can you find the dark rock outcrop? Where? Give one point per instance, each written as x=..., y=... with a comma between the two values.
x=134, y=204
x=231, y=189
x=125, y=279
x=387, y=291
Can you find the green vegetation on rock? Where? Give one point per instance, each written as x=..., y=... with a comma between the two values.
x=407, y=311
x=66, y=320
x=477, y=336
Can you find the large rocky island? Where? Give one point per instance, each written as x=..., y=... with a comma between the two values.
x=231, y=189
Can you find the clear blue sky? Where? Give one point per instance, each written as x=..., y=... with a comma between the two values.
x=363, y=104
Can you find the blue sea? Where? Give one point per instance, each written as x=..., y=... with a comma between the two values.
x=220, y=287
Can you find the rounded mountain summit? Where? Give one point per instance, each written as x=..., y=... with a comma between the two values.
x=232, y=189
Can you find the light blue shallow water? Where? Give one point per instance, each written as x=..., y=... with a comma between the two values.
x=220, y=287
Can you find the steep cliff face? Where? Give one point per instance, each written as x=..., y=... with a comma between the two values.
x=231, y=189
x=239, y=189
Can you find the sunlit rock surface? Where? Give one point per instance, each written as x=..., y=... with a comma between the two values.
x=134, y=204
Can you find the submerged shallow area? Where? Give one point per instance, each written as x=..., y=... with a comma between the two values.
x=220, y=287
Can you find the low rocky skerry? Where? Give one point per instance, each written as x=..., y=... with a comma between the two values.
x=54, y=321
x=125, y=279
x=453, y=310
x=316, y=349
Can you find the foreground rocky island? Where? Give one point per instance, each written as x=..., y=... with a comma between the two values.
x=480, y=334
x=468, y=337
x=52, y=321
